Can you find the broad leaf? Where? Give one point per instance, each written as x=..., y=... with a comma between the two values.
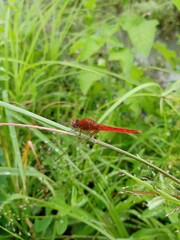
x=141, y=33
x=86, y=80
x=177, y=4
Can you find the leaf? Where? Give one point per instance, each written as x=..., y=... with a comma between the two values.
x=177, y=4
x=86, y=80
x=61, y=225
x=41, y=225
x=87, y=46
x=126, y=58
x=89, y=4
x=169, y=55
x=156, y=201
x=141, y=32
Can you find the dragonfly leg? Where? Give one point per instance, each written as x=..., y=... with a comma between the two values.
x=93, y=133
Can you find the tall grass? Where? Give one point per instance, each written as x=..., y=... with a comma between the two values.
x=73, y=59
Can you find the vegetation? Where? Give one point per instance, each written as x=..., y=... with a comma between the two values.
x=113, y=61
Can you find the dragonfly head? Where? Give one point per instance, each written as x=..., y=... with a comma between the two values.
x=75, y=123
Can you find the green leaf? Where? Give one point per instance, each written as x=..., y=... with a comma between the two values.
x=126, y=58
x=61, y=225
x=89, y=4
x=141, y=32
x=156, y=201
x=169, y=55
x=177, y=4
x=87, y=46
x=86, y=80
x=41, y=225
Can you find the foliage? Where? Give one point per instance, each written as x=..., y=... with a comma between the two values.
x=113, y=61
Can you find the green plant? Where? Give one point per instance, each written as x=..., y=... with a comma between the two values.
x=97, y=59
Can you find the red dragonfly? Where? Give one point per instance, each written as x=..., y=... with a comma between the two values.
x=93, y=127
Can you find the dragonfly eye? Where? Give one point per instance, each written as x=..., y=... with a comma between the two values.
x=74, y=124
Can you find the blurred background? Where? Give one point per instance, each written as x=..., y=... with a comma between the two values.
x=117, y=62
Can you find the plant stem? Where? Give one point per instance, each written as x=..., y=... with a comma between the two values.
x=130, y=155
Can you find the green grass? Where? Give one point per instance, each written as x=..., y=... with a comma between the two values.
x=61, y=60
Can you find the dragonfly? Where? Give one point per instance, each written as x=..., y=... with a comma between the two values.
x=86, y=124
x=93, y=127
